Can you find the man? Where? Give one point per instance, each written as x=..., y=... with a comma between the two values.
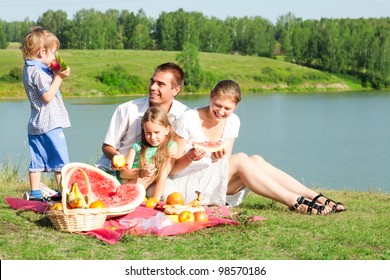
x=125, y=126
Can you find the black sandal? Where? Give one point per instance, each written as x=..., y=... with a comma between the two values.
x=310, y=205
x=328, y=201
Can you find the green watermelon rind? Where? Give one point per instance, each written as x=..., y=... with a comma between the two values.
x=114, y=184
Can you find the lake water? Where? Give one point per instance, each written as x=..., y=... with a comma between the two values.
x=333, y=140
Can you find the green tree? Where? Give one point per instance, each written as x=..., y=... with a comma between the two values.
x=88, y=30
x=112, y=32
x=188, y=58
x=3, y=36
x=166, y=32
x=284, y=32
x=215, y=36
x=140, y=38
x=58, y=23
x=15, y=30
x=259, y=37
x=175, y=29
x=127, y=22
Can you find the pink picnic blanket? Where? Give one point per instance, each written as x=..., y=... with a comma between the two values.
x=115, y=228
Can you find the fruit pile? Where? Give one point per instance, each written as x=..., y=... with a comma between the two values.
x=175, y=208
x=75, y=199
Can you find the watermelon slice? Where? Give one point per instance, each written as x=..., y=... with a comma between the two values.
x=119, y=199
x=211, y=146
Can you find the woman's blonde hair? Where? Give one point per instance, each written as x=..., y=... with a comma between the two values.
x=159, y=117
x=227, y=89
x=38, y=38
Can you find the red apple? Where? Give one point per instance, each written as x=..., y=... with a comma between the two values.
x=201, y=217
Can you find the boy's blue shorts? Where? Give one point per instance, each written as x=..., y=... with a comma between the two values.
x=49, y=152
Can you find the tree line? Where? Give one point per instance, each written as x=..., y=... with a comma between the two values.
x=355, y=47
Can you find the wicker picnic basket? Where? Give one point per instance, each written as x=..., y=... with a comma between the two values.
x=73, y=220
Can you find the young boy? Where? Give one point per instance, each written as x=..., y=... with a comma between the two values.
x=46, y=140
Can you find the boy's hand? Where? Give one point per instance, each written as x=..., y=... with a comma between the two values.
x=64, y=74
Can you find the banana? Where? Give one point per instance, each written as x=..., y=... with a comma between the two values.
x=75, y=198
x=195, y=202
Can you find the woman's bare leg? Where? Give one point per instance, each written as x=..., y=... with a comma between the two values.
x=285, y=180
x=244, y=171
x=289, y=182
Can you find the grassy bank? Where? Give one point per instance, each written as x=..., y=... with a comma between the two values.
x=254, y=74
x=361, y=233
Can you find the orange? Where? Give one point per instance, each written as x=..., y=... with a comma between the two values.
x=97, y=204
x=175, y=198
x=201, y=217
x=119, y=161
x=186, y=216
x=152, y=202
x=57, y=206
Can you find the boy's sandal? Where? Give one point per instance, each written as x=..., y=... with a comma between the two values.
x=328, y=201
x=310, y=205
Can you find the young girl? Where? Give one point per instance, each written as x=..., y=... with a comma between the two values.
x=220, y=174
x=151, y=159
x=46, y=140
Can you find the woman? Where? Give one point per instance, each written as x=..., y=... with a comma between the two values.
x=220, y=173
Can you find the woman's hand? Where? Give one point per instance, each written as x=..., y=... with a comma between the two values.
x=218, y=155
x=195, y=154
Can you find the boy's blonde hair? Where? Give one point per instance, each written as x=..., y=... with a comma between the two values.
x=38, y=38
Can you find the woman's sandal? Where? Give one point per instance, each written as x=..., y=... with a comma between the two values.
x=328, y=201
x=310, y=205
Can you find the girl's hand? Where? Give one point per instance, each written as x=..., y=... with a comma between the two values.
x=147, y=171
x=195, y=154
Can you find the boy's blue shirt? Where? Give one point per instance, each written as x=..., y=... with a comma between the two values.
x=44, y=67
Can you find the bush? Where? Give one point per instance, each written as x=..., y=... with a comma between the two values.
x=14, y=75
x=294, y=80
x=119, y=81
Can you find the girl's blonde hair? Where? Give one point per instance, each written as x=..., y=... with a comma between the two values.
x=38, y=38
x=159, y=117
x=227, y=89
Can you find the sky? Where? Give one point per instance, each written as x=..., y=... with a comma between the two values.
x=18, y=10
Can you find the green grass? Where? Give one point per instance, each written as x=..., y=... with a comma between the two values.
x=254, y=74
x=361, y=233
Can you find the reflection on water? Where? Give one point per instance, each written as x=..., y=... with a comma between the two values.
x=337, y=141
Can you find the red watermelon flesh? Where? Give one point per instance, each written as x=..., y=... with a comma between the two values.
x=210, y=146
x=117, y=198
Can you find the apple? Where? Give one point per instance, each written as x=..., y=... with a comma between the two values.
x=186, y=216
x=152, y=202
x=201, y=216
x=119, y=161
